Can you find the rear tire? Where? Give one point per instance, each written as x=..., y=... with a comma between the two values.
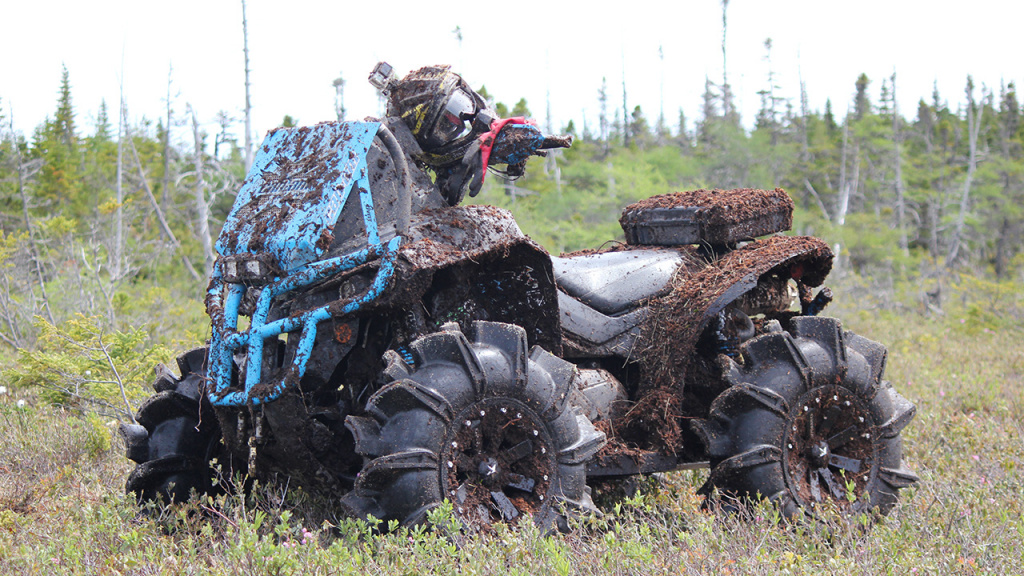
x=477, y=421
x=808, y=420
x=176, y=435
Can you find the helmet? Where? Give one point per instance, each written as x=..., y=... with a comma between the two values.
x=442, y=111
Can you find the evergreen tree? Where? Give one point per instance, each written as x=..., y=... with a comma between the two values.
x=924, y=125
x=64, y=119
x=99, y=159
x=102, y=123
x=830, y=119
x=661, y=130
x=521, y=109
x=588, y=136
x=683, y=138
x=885, y=101
x=1009, y=121
x=768, y=115
x=56, y=143
x=488, y=98
x=8, y=177
x=570, y=129
x=861, y=103
x=639, y=128
x=708, y=114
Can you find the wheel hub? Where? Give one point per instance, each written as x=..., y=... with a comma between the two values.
x=830, y=452
x=488, y=468
x=497, y=462
x=819, y=454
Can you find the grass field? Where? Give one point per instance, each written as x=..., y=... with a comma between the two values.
x=62, y=510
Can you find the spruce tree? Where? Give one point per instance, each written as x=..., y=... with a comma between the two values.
x=639, y=128
x=56, y=143
x=830, y=119
x=861, y=103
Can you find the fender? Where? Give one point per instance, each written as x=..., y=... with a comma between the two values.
x=482, y=251
x=700, y=294
x=441, y=237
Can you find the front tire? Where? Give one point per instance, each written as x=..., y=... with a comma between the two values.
x=478, y=421
x=175, y=437
x=808, y=420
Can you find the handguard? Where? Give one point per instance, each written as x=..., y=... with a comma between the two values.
x=510, y=141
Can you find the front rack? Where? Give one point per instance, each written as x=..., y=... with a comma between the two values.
x=227, y=339
x=293, y=248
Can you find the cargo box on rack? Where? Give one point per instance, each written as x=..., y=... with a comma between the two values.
x=714, y=217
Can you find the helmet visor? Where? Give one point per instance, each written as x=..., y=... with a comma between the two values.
x=455, y=120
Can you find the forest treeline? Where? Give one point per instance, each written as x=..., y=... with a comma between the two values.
x=117, y=222
x=945, y=184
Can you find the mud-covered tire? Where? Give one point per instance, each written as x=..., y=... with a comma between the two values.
x=175, y=437
x=808, y=420
x=476, y=420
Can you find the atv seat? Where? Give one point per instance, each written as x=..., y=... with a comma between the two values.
x=613, y=282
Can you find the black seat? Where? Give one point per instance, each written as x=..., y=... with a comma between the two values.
x=613, y=282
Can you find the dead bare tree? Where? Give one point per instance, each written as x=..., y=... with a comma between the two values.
x=118, y=252
x=898, y=162
x=603, y=124
x=23, y=171
x=662, y=128
x=202, y=207
x=165, y=191
x=175, y=245
x=339, y=97
x=625, y=107
x=845, y=189
x=974, y=115
x=248, y=101
x=728, y=109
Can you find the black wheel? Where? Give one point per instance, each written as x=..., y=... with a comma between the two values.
x=477, y=421
x=176, y=436
x=808, y=420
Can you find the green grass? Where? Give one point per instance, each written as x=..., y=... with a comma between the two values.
x=62, y=508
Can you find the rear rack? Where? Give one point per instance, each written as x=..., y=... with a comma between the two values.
x=714, y=217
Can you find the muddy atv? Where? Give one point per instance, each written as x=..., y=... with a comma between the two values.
x=378, y=344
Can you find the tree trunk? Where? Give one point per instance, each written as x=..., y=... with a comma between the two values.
x=898, y=160
x=845, y=188
x=625, y=109
x=160, y=215
x=1002, y=256
x=202, y=208
x=33, y=250
x=933, y=228
x=116, y=267
x=165, y=186
x=728, y=112
x=974, y=115
x=248, y=103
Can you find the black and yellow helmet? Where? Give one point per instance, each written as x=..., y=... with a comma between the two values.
x=442, y=111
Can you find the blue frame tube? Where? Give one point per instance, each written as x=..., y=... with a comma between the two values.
x=226, y=339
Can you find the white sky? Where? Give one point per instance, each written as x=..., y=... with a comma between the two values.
x=518, y=49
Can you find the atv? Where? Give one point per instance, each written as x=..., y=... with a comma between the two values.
x=378, y=342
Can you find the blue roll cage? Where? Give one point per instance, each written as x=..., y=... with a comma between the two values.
x=295, y=248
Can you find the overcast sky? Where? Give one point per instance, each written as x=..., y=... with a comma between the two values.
x=539, y=50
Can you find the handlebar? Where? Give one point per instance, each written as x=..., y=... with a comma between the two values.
x=516, y=142
x=510, y=141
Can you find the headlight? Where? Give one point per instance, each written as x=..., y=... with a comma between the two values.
x=248, y=269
